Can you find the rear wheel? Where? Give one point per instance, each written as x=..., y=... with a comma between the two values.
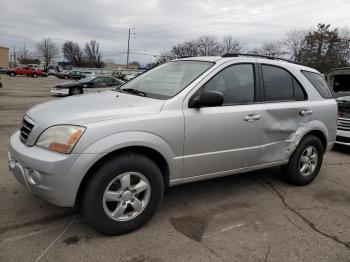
x=12, y=74
x=65, y=77
x=123, y=194
x=34, y=75
x=76, y=91
x=305, y=163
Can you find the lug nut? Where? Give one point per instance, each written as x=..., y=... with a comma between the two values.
x=132, y=200
x=124, y=203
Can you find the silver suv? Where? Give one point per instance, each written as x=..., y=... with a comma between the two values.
x=113, y=153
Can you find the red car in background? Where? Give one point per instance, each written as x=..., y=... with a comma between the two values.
x=25, y=70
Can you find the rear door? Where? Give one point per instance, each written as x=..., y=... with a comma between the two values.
x=285, y=109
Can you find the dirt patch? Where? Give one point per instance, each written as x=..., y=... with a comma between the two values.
x=194, y=227
x=72, y=240
x=338, y=196
x=191, y=227
x=44, y=220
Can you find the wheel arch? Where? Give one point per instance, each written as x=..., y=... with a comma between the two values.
x=149, y=152
x=319, y=134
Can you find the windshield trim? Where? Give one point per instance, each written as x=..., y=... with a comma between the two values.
x=164, y=97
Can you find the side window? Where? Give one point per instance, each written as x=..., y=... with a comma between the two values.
x=236, y=83
x=107, y=80
x=319, y=83
x=280, y=85
x=299, y=93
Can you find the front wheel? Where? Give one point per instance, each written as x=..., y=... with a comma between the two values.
x=76, y=91
x=12, y=74
x=123, y=194
x=34, y=75
x=305, y=163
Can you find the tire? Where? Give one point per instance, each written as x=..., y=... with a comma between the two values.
x=303, y=166
x=12, y=74
x=65, y=77
x=34, y=75
x=99, y=212
x=75, y=91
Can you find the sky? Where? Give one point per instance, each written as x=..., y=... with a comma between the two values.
x=157, y=25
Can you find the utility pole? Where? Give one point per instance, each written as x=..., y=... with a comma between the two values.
x=127, y=55
x=14, y=55
x=128, y=52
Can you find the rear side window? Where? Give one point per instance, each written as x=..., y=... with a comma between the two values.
x=280, y=85
x=319, y=83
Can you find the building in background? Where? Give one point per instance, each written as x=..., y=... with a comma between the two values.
x=4, y=57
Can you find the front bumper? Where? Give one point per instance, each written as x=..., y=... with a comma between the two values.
x=60, y=92
x=343, y=137
x=55, y=177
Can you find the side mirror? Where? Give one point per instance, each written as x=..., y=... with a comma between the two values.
x=206, y=99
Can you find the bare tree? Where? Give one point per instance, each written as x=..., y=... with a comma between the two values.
x=73, y=53
x=93, y=54
x=47, y=50
x=230, y=45
x=24, y=55
x=274, y=49
x=208, y=46
x=295, y=42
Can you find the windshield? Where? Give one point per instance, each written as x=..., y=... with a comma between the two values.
x=87, y=79
x=167, y=80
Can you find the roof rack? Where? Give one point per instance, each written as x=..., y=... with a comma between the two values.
x=259, y=56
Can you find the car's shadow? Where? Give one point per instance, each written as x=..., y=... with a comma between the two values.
x=342, y=149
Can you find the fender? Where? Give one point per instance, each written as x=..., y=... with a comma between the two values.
x=314, y=125
x=121, y=140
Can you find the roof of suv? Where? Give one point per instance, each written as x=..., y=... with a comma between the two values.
x=248, y=58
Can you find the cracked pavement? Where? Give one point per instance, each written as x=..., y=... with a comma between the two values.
x=246, y=217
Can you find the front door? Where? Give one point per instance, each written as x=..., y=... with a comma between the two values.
x=227, y=137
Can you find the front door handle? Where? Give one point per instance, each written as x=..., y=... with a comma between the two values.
x=252, y=117
x=306, y=112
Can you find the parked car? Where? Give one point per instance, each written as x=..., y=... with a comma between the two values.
x=339, y=81
x=89, y=74
x=71, y=75
x=86, y=85
x=112, y=154
x=25, y=70
x=128, y=77
x=3, y=70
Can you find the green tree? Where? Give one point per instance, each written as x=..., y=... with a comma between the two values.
x=323, y=49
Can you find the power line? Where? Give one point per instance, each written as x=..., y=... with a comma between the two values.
x=268, y=20
x=254, y=3
x=235, y=20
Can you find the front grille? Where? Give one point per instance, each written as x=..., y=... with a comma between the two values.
x=343, y=139
x=344, y=110
x=344, y=124
x=26, y=128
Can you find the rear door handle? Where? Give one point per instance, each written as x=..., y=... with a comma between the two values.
x=306, y=112
x=252, y=117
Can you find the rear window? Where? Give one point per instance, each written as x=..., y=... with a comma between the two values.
x=319, y=83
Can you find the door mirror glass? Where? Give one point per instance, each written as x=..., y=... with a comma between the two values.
x=206, y=99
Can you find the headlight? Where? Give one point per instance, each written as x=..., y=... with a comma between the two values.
x=61, y=139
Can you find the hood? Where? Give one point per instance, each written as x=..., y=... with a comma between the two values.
x=67, y=84
x=83, y=109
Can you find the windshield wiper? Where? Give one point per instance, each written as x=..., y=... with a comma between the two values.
x=133, y=91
